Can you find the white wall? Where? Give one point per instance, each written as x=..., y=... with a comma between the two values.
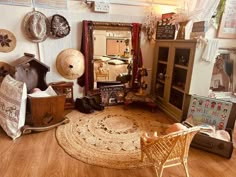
x=47, y=51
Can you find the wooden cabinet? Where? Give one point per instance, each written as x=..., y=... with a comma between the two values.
x=177, y=72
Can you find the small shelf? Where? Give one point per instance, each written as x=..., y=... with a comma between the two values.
x=181, y=66
x=179, y=78
x=161, y=81
x=176, y=98
x=163, y=62
x=180, y=89
x=161, y=67
x=182, y=56
x=159, y=90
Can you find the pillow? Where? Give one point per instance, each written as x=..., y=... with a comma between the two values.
x=104, y=58
x=13, y=95
x=115, y=62
x=175, y=127
x=46, y=93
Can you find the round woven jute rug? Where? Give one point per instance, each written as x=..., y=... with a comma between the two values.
x=108, y=138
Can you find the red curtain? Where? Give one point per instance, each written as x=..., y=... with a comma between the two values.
x=137, y=54
x=87, y=49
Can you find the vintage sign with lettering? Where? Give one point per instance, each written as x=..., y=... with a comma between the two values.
x=165, y=30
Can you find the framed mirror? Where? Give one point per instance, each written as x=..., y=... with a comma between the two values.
x=112, y=53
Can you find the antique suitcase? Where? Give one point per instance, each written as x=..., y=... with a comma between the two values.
x=221, y=114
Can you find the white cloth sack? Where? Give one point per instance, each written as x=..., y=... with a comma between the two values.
x=46, y=93
x=13, y=96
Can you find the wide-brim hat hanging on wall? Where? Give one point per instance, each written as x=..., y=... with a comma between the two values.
x=59, y=26
x=36, y=26
x=7, y=41
x=70, y=64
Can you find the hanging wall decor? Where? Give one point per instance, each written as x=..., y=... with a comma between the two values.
x=59, y=26
x=35, y=26
x=7, y=41
x=228, y=21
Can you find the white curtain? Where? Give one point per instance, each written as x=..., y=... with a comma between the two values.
x=198, y=10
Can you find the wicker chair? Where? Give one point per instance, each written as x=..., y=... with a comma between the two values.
x=168, y=150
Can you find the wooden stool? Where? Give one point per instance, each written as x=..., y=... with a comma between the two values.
x=131, y=97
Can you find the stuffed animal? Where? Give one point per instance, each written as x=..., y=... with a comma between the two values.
x=149, y=137
x=35, y=90
x=175, y=127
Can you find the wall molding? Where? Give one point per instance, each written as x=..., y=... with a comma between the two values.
x=140, y=2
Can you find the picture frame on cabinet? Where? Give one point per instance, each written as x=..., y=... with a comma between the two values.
x=227, y=28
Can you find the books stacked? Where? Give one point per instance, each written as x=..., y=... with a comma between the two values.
x=199, y=29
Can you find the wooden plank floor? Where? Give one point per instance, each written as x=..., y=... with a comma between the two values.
x=39, y=155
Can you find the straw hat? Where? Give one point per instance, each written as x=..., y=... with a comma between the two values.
x=70, y=64
x=7, y=41
x=36, y=26
x=59, y=26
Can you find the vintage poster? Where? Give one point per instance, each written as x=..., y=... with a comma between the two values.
x=204, y=110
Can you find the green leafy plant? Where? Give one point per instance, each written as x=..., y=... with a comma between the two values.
x=219, y=11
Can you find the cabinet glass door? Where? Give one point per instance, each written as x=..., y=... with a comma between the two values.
x=163, y=55
x=179, y=76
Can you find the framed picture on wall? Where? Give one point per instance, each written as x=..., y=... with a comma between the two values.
x=227, y=27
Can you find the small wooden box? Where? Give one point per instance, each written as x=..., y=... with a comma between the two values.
x=45, y=111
